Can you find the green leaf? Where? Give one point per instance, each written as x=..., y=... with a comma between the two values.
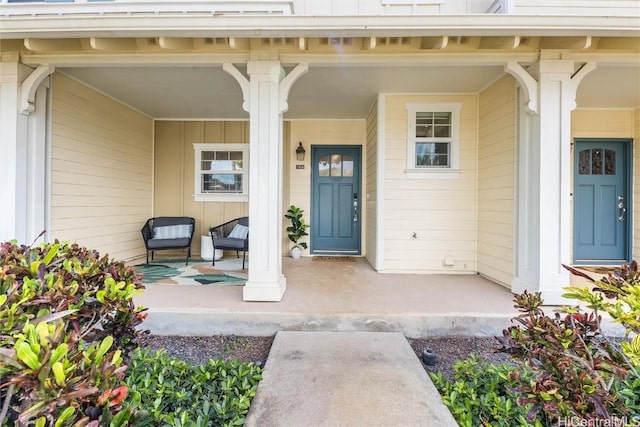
x=52, y=252
x=58, y=353
x=105, y=345
x=65, y=416
x=58, y=372
x=27, y=356
x=100, y=295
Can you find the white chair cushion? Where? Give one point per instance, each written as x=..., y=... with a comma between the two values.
x=239, y=232
x=172, y=232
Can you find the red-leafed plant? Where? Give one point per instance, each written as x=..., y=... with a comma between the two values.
x=574, y=369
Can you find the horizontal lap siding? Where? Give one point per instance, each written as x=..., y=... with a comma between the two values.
x=442, y=213
x=175, y=166
x=101, y=170
x=371, y=185
x=577, y=7
x=496, y=165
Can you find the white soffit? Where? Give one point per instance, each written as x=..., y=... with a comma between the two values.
x=610, y=87
x=340, y=92
x=325, y=92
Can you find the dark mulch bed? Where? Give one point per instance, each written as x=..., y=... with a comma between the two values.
x=199, y=350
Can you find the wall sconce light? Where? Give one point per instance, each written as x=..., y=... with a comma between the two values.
x=300, y=152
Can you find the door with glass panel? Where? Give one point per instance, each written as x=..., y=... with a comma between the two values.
x=601, y=205
x=336, y=205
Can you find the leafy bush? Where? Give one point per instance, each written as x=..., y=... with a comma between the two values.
x=618, y=295
x=574, y=371
x=67, y=322
x=483, y=394
x=176, y=393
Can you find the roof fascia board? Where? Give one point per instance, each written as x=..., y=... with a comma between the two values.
x=423, y=59
x=318, y=26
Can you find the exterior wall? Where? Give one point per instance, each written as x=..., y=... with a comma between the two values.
x=286, y=182
x=611, y=124
x=174, y=169
x=575, y=7
x=496, y=166
x=441, y=212
x=321, y=132
x=370, y=180
x=101, y=170
x=388, y=7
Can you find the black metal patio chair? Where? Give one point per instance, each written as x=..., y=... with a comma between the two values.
x=233, y=236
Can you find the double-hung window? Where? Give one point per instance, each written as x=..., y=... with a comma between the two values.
x=433, y=141
x=221, y=172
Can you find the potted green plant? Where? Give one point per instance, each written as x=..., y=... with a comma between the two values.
x=297, y=230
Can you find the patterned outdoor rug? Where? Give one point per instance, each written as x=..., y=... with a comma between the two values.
x=198, y=272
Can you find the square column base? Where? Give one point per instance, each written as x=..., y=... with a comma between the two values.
x=549, y=296
x=264, y=291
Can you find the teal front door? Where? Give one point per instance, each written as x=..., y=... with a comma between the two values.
x=601, y=201
x=336, y=205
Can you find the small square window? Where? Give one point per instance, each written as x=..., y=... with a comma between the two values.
x=432, y=140
x=221, y=172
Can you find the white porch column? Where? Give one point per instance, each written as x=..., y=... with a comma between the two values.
x=544, y=171
x=265, y=98
x=23, y=115
x=266, y=281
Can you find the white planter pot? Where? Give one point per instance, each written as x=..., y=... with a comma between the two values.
x=206, y=249
x=296, y=253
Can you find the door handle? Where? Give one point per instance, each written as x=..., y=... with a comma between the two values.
x=622, y=211
x=355, y=207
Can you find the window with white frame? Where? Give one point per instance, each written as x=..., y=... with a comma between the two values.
x=433, y=141
x=221, y=172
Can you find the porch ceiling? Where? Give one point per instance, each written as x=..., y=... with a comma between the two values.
x=337, y=92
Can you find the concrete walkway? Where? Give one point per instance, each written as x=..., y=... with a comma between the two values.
x=322, y=379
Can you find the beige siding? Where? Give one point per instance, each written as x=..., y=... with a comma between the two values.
x=442, y=213
x=602, y=124
x=101, y=170
x=496, y=164
x=320, y=132
x=286, y=183
x=577, y=7
x=371, y=184
x=174, y=166
x=608, y=124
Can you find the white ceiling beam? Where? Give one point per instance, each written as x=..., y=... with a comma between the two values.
x=98, y=43
x=176, y=43
x=122, y=59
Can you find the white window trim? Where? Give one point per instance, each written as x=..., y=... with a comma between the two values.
x=451, y=172
x=198, y=196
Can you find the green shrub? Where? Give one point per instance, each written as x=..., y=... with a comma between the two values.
x=483, y=394
x=617, y=294
x=67, y=323
x=176, y=393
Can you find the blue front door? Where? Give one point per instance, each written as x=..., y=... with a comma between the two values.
x=336, y=204
x=601, y=201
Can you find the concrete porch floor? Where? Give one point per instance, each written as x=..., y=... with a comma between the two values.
x=336, y=296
